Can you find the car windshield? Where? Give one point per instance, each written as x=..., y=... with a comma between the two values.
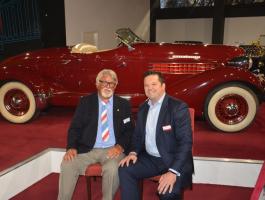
x=127, y=36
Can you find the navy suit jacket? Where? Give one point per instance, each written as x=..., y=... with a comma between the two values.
x=83, y=129
x=175, y=143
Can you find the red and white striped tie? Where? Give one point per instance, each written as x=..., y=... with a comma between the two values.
x=104, y=123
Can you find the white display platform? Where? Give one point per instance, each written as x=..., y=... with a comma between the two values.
x=219, y=171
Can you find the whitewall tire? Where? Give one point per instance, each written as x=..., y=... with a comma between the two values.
x=17, y=102
x=231, y=107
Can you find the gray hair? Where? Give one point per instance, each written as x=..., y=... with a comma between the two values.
x=108, y=72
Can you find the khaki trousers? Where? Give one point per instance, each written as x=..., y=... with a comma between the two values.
x=70, y=171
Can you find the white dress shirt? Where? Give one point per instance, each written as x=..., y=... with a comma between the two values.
x=151, y=123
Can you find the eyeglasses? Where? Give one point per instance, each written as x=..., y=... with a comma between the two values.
x=107, y=84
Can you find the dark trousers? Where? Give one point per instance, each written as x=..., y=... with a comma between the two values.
x=146, y=166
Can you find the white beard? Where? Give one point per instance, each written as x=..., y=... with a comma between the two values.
x=106, y=93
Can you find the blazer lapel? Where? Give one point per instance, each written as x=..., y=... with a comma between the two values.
x=94, y=109
x=116, y=114
x=145, y=112
x=162, y=113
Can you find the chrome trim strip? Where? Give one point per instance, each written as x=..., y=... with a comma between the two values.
x=126, y=97
x=185, y=57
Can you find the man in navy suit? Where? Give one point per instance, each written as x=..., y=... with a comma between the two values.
x=162, y=144
x=100, y=132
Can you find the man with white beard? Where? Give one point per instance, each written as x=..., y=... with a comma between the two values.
x=100, y=132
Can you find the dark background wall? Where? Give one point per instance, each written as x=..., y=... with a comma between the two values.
x=30, y=24
x=52, y=21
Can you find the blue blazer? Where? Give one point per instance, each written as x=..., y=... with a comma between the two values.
x=173, y=137
x=83, y=129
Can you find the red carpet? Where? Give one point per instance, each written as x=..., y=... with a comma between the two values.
x=19, y=142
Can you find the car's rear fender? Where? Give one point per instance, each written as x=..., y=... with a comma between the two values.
x=195, y=89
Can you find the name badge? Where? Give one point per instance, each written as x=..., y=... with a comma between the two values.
x=167, y=128
x=126, y=120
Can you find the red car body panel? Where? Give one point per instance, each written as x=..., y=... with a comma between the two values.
x=190, y=70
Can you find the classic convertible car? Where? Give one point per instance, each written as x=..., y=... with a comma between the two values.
x=216, y=80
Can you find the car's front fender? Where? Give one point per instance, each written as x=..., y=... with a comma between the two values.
x=194, y=89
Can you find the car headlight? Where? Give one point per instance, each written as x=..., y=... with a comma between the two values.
x=242, y=62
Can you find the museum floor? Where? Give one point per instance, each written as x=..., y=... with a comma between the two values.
x=19, y=142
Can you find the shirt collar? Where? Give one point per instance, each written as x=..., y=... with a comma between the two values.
x=158, y=102
x=110, y=101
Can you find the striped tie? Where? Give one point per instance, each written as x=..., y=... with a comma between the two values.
x=104, y=123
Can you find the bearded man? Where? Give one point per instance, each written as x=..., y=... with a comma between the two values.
x=100, y=132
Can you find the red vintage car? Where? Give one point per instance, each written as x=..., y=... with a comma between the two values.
x=216, y=80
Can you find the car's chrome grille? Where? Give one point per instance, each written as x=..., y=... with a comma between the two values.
x=182, y=68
